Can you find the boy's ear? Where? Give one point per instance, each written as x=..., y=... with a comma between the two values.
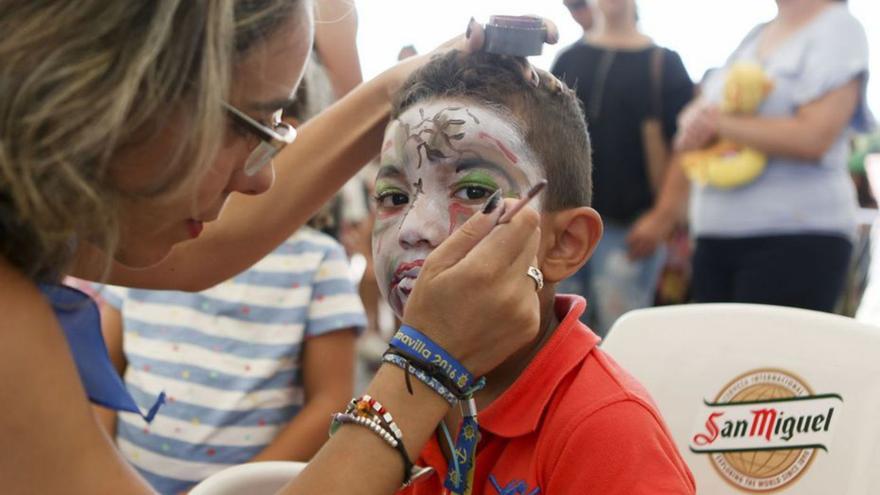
x=567, y=241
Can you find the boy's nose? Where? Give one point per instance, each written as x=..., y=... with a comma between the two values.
x=425, y=224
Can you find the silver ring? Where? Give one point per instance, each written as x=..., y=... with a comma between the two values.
x=535, y=274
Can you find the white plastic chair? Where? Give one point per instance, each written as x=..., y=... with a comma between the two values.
x=784, y=363
x=256, y=478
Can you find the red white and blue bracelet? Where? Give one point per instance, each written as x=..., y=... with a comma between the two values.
x=371, y=414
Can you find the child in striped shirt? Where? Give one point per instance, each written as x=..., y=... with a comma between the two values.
x=252, y=368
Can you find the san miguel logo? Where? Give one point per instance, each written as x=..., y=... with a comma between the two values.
x=764, y=429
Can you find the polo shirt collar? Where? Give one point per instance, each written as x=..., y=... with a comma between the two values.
x=519, y=409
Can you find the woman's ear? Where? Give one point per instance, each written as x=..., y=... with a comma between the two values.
x=568, y=240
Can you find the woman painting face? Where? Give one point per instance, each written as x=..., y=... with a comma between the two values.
x=261, y=86
x=440, y=162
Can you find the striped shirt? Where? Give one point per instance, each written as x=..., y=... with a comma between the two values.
x=228, y=359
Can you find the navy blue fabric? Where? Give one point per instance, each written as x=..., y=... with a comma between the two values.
x=80, y=319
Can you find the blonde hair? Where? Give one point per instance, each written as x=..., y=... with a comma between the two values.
x=81, y=79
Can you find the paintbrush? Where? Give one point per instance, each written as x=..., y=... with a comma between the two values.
x=534, y=191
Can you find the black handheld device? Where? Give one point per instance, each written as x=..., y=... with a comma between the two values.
x=517, y=36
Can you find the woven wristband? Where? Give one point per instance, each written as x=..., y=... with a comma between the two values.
x=418, y=346
x=432, y=383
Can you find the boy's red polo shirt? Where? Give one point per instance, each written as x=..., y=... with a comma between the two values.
x=574, y=422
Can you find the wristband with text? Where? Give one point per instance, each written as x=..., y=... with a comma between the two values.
x=418, y=346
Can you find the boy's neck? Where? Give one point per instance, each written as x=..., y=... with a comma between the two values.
x=502, y=377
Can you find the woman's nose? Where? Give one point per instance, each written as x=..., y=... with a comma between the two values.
x=257, y=183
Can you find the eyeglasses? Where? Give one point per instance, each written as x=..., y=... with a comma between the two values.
x=272, y=139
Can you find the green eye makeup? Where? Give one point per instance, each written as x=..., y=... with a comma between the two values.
x=478, y=178
x=386, y=187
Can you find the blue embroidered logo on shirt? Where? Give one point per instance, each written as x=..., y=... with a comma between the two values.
x=515, y=487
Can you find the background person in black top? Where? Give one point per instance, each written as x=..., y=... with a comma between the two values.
x=581, y=13
x=611, y=70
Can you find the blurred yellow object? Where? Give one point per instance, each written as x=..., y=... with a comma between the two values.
x=726, y=164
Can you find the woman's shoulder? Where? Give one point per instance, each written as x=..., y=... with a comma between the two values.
x=572, y=57
x=27, y=314
x=19, y=296
x=837, y=15
x=836, y=26
x=670, y=56
x=576, y=49
x=836, y=36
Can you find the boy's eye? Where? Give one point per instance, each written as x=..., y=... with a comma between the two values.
x=473, y=193
x=391, y=199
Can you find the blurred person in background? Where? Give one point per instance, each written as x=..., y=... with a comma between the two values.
x=581, y=12
x=336, y=23
x=869, y=305
x=332, y=71
x=632, y=91
x=406, y=51
x=786, y=237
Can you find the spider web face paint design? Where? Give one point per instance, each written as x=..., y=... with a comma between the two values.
x=440, y=130
x=418, y=190
x=441, y=161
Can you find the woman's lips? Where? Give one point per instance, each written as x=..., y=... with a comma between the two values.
x=194, y=227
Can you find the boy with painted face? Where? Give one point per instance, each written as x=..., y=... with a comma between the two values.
x=560, y=416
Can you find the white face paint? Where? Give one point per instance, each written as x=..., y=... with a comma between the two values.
x=441, y=160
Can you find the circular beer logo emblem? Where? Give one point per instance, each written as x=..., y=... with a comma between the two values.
x=764, y=428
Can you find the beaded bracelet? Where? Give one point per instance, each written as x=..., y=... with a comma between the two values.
x=345, y=418
x=369, y=407
x=368, y=412
x=432, y=383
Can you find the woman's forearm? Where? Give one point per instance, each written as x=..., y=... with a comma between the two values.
x=355, y=460
x=327, y=369
x=807, y=135
x=778, y=137
x=672, y=198
x=303, y=436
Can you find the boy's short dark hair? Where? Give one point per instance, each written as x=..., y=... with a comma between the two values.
x=550, y=114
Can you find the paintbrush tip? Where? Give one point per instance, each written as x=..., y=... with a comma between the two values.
x=537, y=187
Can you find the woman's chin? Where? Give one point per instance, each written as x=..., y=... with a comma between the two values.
x=139, y=257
